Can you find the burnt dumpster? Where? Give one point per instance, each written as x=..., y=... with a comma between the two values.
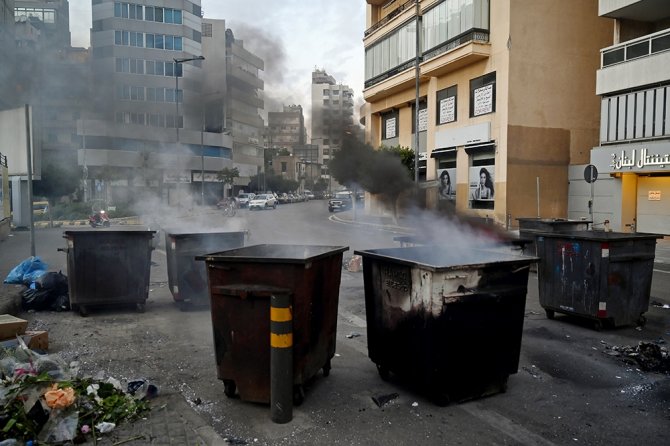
x=187, y=278
x=242, y=283
x=603, y=276
x=108, y=267
x=446, y=322
x=529, y=227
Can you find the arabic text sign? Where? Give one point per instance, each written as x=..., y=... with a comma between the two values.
x=390, y=128
x=633, y=159
x=448, y=110
x=654, y=195
x=483, y=98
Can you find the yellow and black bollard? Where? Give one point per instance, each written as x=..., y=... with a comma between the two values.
x=281, y=357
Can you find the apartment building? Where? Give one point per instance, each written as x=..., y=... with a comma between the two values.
x=332, y=111
x=632, y=159
x=506, y=97
x=233, y=97
x=286, y=128
x=145, y=131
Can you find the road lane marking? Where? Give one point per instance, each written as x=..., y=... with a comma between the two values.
x=505, y=425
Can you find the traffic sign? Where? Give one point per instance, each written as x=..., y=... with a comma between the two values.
x=590, y=173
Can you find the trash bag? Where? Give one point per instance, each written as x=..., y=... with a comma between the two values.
x=49, y=293
x=41, y=300
x=27, y=271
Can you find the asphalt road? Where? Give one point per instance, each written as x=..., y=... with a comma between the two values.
x=568, y=389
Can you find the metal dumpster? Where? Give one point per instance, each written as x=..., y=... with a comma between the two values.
x=187, y=278
x=240, y=281
x=604, y=276
x=448, y=322
x=529, y=227
x=108, y=267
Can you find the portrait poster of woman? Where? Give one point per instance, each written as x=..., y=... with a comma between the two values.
x=482, y=186
x=446, y=184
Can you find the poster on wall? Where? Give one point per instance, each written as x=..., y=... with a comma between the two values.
x=390, y=128
x=448, y=110
x=482, y=183
x=446, y=181
x=423, y=120
x=483, y=100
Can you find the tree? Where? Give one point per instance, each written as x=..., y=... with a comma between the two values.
x=227, y=176
x=381, y=172
x=57, y=181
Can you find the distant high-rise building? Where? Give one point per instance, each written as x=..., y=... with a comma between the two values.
x=6, y=52
x=332, y=113
x=146, y=129
x=286, y=128
x=50, y=17
x=232, y=94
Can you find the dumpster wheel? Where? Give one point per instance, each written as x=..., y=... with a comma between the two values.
x=641, y=321
x=229, y=388
x=141, y=308
x=383, y=372
x=550, y=314
x=298, y=394
x=326, y=368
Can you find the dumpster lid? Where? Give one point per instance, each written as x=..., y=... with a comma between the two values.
x=553, y=220
x=600, y=236
x=271, y=253
x=445, y=257
x=184, y=233
x=124, y=230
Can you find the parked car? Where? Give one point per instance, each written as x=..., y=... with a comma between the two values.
x=309, y=195
x=283, y=198
x=341, y=201
x=243, y=199
x=263, y=201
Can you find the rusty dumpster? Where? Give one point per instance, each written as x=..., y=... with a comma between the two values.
x=241, y=282
x=446, y=322
x=187, y=278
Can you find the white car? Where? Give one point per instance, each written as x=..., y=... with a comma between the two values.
x=263, y=201
x=244, y=199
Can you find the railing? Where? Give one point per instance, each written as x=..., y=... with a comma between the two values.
x=396, y=12
x=635, y=49
x=472, y=35
x=3, y=160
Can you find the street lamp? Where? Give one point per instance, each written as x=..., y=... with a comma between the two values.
x=176, y=86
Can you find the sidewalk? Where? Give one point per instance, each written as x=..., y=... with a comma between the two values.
x=172, y=421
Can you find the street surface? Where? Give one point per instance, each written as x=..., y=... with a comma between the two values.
x=568, y=390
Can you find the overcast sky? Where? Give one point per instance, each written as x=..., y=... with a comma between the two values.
x=292, y=36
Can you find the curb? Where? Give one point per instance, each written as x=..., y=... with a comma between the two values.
x=392, y=228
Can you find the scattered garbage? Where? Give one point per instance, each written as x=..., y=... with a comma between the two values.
x=383, y=400
x=659, y=305
x=43, y=399
x=353, y=334
x=649, y=356
x=355, y=264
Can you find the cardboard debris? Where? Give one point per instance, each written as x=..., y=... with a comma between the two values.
x=10, y=326
x=35, y=340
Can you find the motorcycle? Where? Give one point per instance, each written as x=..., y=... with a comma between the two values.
x=99, y=219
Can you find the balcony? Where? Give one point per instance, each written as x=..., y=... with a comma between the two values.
x=635, y=63
x=639, y=10
x=390, y=16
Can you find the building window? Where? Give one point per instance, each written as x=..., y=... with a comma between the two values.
x=483, y=95
x=207, y=30
x=283, y=167
x=451, y=19
x=446, y=105
x=392, y=54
